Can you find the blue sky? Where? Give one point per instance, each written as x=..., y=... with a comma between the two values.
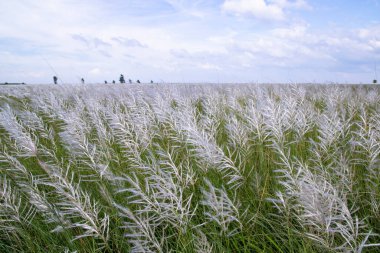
x=190, y=41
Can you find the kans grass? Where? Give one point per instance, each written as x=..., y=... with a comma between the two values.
x=190, y=168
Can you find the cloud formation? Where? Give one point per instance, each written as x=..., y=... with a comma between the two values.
x=257, y=8
x=261, y=9
x=126, y=42
x=193, y=41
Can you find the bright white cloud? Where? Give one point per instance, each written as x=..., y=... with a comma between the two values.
x=257, y=8
x=95, y=71
x=297, y=4
x=262, y=9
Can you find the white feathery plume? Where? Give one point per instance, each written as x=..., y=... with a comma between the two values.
x=25, y=143
x=220, y=208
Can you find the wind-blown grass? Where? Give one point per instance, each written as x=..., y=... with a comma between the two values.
x=190, y=168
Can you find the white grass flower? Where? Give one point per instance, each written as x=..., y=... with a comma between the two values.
x=221, y=209
x=23, y=139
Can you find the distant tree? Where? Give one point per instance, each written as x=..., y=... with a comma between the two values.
x=130, y=81
x=138, y=81
x=374, y=81
x=151, y=81
x=105, y=82
x=82, y=80
x=121, y=79
x=55, y=79
x=113, y=81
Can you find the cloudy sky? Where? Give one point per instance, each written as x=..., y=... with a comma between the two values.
x=190, y=40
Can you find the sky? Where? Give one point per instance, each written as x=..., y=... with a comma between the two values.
x=260, y=41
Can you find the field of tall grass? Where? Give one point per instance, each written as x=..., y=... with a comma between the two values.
x=190, y=168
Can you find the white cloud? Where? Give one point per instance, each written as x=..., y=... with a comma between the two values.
x=126, y=42
x=293, y=32
x=209, y=66
x=95, y=71
x=257, y=8
x=297, y=4
x=300, y=48
x=188, y=8
x=262, y=9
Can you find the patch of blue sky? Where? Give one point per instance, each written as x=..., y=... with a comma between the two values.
x=345, y=14
x=21, y=47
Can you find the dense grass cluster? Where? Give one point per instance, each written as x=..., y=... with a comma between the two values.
x=190, y=168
